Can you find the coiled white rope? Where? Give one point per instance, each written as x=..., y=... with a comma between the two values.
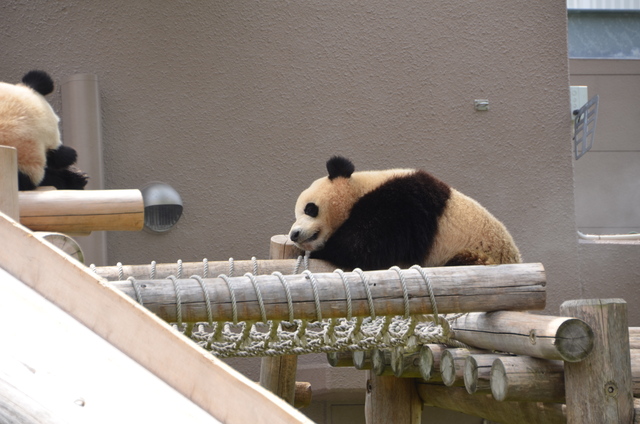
x=297, y=336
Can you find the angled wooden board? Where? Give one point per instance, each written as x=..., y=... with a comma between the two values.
x=212, y=385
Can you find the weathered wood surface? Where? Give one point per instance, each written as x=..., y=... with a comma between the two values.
x=457, y=399
x=278, y=373
x=82, y=211
x=362, y=360
x=452, y=365
x=430, y=367
x=456, y=289
x=340, y=359
x=392, y=400
x=303, y=394
x=206, y=381
x=522, y=378
x=599, y=388
x=634, y=337
x=211, y=268
x=409, y=365
x=477, y=372
x=9, y=182
x=539, y=336
x=381, y=362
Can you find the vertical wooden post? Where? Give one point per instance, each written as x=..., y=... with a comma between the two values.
x=392, y=400
x=9, y=182
x=278, y=373
x=599, y=388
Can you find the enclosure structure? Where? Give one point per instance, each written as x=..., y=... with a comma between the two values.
x=580, y=367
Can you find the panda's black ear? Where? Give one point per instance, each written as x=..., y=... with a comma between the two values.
x=40, y=81
x=339, y=166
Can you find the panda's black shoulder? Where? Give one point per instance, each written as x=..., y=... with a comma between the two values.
x=393, y=224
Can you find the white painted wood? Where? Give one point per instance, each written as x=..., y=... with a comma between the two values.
x=70, y=374
x=209, y=383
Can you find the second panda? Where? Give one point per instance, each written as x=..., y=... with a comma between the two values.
x=378, y=219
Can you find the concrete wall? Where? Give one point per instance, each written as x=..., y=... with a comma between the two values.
x=238, y=104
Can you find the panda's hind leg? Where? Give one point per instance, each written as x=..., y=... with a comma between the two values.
x=469, y=257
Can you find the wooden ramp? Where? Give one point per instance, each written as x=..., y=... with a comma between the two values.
x=75, y=350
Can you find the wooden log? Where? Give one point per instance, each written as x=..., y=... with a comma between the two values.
x=278, y=373
x=82, y=211
x=522, y=378
x=477, y=372
x=539, y=336
x=409, y=365
x=362, y=360
x=392, y=400
x=430, y=367
x=340, y=359
x=64, y=243
x=381, y=362
x=9, y=182
x=210, y=268
x=457, y=399
x=303, y=394
x=635, y=371
x=456, y=289
x=599, y=388
x=634, y=337
x=452, y=365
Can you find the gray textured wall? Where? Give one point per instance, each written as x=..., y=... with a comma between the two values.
x=238, y=104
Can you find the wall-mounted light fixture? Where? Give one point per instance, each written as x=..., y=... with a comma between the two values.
x=162, y=207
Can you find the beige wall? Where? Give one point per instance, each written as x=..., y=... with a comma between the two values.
x=238, y=104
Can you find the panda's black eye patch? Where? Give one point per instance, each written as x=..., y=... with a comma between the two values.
x=311, y=209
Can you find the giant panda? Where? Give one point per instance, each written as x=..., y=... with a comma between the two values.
x=28, y=123
x=378, y=219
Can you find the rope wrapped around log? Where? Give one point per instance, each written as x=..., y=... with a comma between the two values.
x=324, y=295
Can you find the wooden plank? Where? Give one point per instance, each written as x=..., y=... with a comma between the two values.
x=54, y=369
x=456, y=289
x=9, y=182
x=208, y=382
x=457, y=399
x=539, y=336
x=599, y=388
x=82, y=211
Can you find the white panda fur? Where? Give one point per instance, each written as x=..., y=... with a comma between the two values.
x=28, y=123
x=377, y=219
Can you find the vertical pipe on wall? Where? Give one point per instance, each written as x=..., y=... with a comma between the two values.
x=9, y=182
x=82, y=130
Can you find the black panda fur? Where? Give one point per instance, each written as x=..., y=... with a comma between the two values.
x=396, y=222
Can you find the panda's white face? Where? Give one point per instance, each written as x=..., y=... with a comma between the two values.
x=320, y=210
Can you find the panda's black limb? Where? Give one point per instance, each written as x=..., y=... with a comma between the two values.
x=394, y=224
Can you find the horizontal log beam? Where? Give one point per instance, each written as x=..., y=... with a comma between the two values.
x=212, y=268
x=457, y=399
x=82, y=211
x=456, y=289
x=539, y=336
